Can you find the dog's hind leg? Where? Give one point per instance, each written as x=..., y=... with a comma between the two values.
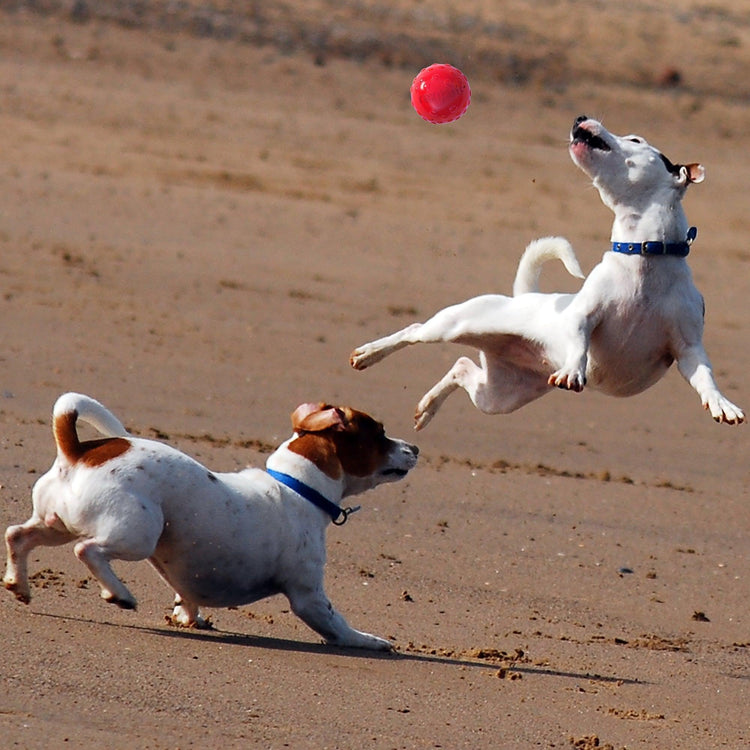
x=20, y=540
x=464, y=374
x=494, y=387
x=464, y=322
x=96, y=557
x=374, y=351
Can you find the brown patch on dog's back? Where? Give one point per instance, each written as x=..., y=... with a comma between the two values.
x=92, y=452
x=98, y=452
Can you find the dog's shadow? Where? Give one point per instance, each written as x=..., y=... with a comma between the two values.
x=270, y=643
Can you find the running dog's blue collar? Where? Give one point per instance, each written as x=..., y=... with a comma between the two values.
x=333, y=510
x=680, y=249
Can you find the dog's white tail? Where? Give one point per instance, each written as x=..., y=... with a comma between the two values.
x=537, y=253
x=71, y=407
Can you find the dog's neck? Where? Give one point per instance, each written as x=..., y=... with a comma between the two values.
x=304, y=470
x=648, y=222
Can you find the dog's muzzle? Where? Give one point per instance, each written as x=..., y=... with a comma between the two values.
x=579, y=134
x=406, y=460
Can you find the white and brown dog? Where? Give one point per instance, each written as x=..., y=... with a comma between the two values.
x=636, y=313
x=219, y=540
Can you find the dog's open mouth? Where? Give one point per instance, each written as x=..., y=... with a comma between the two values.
x=395, y=472
x=582, y=135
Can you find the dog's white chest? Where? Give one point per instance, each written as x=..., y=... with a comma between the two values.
x=638, y=304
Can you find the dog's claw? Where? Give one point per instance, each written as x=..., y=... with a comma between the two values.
x=724, y=411
x=567, y=382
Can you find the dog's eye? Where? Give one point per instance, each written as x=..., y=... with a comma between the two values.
x=635, y=139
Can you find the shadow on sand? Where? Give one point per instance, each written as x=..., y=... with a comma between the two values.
x=214, y=635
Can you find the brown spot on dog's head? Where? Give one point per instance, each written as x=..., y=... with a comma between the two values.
x=685, y=173
x=339, y=439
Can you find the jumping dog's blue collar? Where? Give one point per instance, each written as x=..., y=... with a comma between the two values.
x=680, y=249
x=333, y=510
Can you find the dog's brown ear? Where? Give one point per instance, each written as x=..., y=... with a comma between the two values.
x=317, y=417
x=693, y=173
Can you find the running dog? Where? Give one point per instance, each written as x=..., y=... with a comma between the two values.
x=219, y=540
x=636, y=313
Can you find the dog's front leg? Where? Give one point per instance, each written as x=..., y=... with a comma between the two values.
x=315, y=610
x=575, y=341
x=695, y=367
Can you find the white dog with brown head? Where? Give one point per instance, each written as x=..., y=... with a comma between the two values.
x=219, y=540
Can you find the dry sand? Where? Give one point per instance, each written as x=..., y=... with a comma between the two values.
x=204, y=212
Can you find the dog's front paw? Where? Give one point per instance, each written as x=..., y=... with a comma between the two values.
x=568, y=379
x=381, y=644
x=358, y=639
x=372, y=642
x=723, y=410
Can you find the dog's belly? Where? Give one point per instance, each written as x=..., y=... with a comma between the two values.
x=624, y=366
x=221, y=571
x=228, y=561
x=221, y=582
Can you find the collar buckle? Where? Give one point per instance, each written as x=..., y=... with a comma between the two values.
x=345, y=513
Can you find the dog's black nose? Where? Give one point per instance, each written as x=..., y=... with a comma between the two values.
x=580, y=119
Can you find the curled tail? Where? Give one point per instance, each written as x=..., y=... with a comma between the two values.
x=71, y=407
x=537, y=253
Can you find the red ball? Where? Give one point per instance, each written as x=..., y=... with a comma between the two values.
x=440, y=93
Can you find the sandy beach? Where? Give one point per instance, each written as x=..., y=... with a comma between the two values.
x=206, y=209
